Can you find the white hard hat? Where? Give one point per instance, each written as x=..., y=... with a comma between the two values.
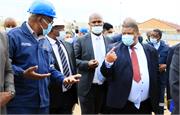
x=58, y=22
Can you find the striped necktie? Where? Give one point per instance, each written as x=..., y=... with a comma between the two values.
x=66, y=69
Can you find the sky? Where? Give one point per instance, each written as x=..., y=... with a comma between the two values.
x=113, y=11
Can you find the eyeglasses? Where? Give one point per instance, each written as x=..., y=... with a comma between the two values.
x=50, y=22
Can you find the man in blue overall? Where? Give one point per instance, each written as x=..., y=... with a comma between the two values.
x=32, y=62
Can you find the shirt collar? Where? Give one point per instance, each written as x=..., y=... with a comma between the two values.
x=52, y=41
x=29, y=28
x=137, y=46
x=33, y=33
x=96, y=37
x=157, y=44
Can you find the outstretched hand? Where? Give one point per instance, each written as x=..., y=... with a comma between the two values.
x=30, y=73
x=72, y=79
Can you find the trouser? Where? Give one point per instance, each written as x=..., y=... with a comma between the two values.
x=27, y=110
x=92, y=102
x=162, y=92
x=129, y=108
x=61, y=110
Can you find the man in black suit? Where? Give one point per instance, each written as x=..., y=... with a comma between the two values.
x=131, y=72
x=174, y=79
x=90, y=51
x=62, y=100
x=168, y=63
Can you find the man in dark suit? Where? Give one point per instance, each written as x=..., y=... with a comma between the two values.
x=90, y=51
x=62, y=100
x=131, y=72
x=162, y=48
x=174, y=79
x=168, y=63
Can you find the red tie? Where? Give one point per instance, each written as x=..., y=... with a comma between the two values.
x=135, y=65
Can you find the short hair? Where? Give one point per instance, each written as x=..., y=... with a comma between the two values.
x=107, y=26
x=130, y=23
x=158, y=31
x=94, y=15
x=10, y=22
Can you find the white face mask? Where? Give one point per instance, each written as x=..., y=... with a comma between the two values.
x=61, y=35
x=97, y=29
x=8, y=29
x=70, y=40
x=153, y=40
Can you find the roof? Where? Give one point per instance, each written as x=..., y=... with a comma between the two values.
x=172, y=25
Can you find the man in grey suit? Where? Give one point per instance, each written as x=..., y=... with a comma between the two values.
x=174, y=79
x=7, y=89
x=90, y=51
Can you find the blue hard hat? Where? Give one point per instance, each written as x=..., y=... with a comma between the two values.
x=83, y=30
x=42, y=7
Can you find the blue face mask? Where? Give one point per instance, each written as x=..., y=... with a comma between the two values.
x=48, y=29
x=97, y=29
x=128, y=39
x=110, y=35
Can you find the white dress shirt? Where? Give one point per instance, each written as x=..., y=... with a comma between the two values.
x=99, y=54
x=140, y=91
x=56, y=52
x=156, y=45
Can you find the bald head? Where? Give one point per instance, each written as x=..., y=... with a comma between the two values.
x=10, y=23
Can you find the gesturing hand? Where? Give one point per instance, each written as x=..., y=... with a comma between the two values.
x=30, y=73
x=72, y=79
x=92, y=64
x=111, y=56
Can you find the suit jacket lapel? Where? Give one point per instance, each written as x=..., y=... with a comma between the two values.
x=146, y=51
x=90, y=46
x=160, y=47
x=126, y=53
x=55, y=61
x=106, y=43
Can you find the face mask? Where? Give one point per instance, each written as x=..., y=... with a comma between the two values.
x=128, y=39
x=8, y=29
x=47, y=30
x=153, y=40
x=70, y=40
x=97, y=29
x=110, y=35
x=62, y=34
